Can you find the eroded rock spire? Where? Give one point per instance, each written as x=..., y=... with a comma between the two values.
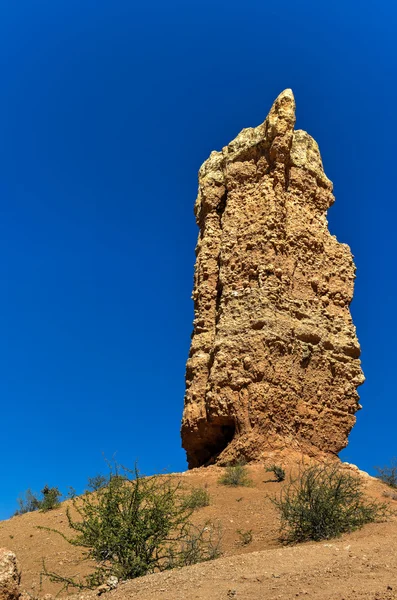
x=274, y=360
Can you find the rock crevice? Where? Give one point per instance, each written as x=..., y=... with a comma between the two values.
x=274, y=359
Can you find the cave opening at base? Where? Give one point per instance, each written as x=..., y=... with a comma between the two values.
x=216, y=436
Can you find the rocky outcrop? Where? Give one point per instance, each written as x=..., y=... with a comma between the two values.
x=10, y=575
x=274, y=359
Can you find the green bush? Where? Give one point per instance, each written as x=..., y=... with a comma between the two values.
x=135, y=526
x=389, y=474
x=29, y=502
x=235, y=475
x=324, y=502
x=278, y=472
x=197, y=498
x=50, y=498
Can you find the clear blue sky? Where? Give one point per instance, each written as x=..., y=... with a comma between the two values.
x=108, y=109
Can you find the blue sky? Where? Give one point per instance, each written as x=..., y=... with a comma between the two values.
x=107, y=111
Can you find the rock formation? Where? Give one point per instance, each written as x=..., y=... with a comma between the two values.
x=274, y=359
x=10, y=575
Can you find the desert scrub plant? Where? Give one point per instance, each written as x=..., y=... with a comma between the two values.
x=27, y=502
x=134, y=526
x=50, y=499
x=235, y=475
x=197, y=498
x=278, y=472
x=72, y=493
x=30, y=502
x=198, y=545
x=388, y=474
x=392, y=495
x=323, y=502
x=97, y=482
x=246, y=536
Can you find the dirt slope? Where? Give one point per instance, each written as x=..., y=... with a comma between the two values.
x=355, y=566
x=359, y=566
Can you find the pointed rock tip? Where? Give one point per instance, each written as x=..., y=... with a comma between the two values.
x=281, y=118
x=285, y=102
x=287, y=92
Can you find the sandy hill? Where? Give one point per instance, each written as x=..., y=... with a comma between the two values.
x=355, y=566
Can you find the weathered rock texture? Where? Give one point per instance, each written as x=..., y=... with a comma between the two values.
x=10, y=575
x=274, y=359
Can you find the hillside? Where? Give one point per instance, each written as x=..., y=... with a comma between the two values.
x=361, y=565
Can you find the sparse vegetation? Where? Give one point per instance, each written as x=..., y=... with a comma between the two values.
x=200, y=544
x=198, y=498
x=51, y=498
x=324, y=502
x=29, y=501
x=71, y=493
x=388, y=474
x=134, y=526
x=392, y=495
x=97, y=482
x=245, y=536
x=278, y=472
x=235, y=475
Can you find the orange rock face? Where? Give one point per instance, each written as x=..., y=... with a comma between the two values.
x=274, y=360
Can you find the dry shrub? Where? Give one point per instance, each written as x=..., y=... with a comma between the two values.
x=322, y=503
x=134, y=526
x=235, y=475
x=197, y=498
x=388, y=474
